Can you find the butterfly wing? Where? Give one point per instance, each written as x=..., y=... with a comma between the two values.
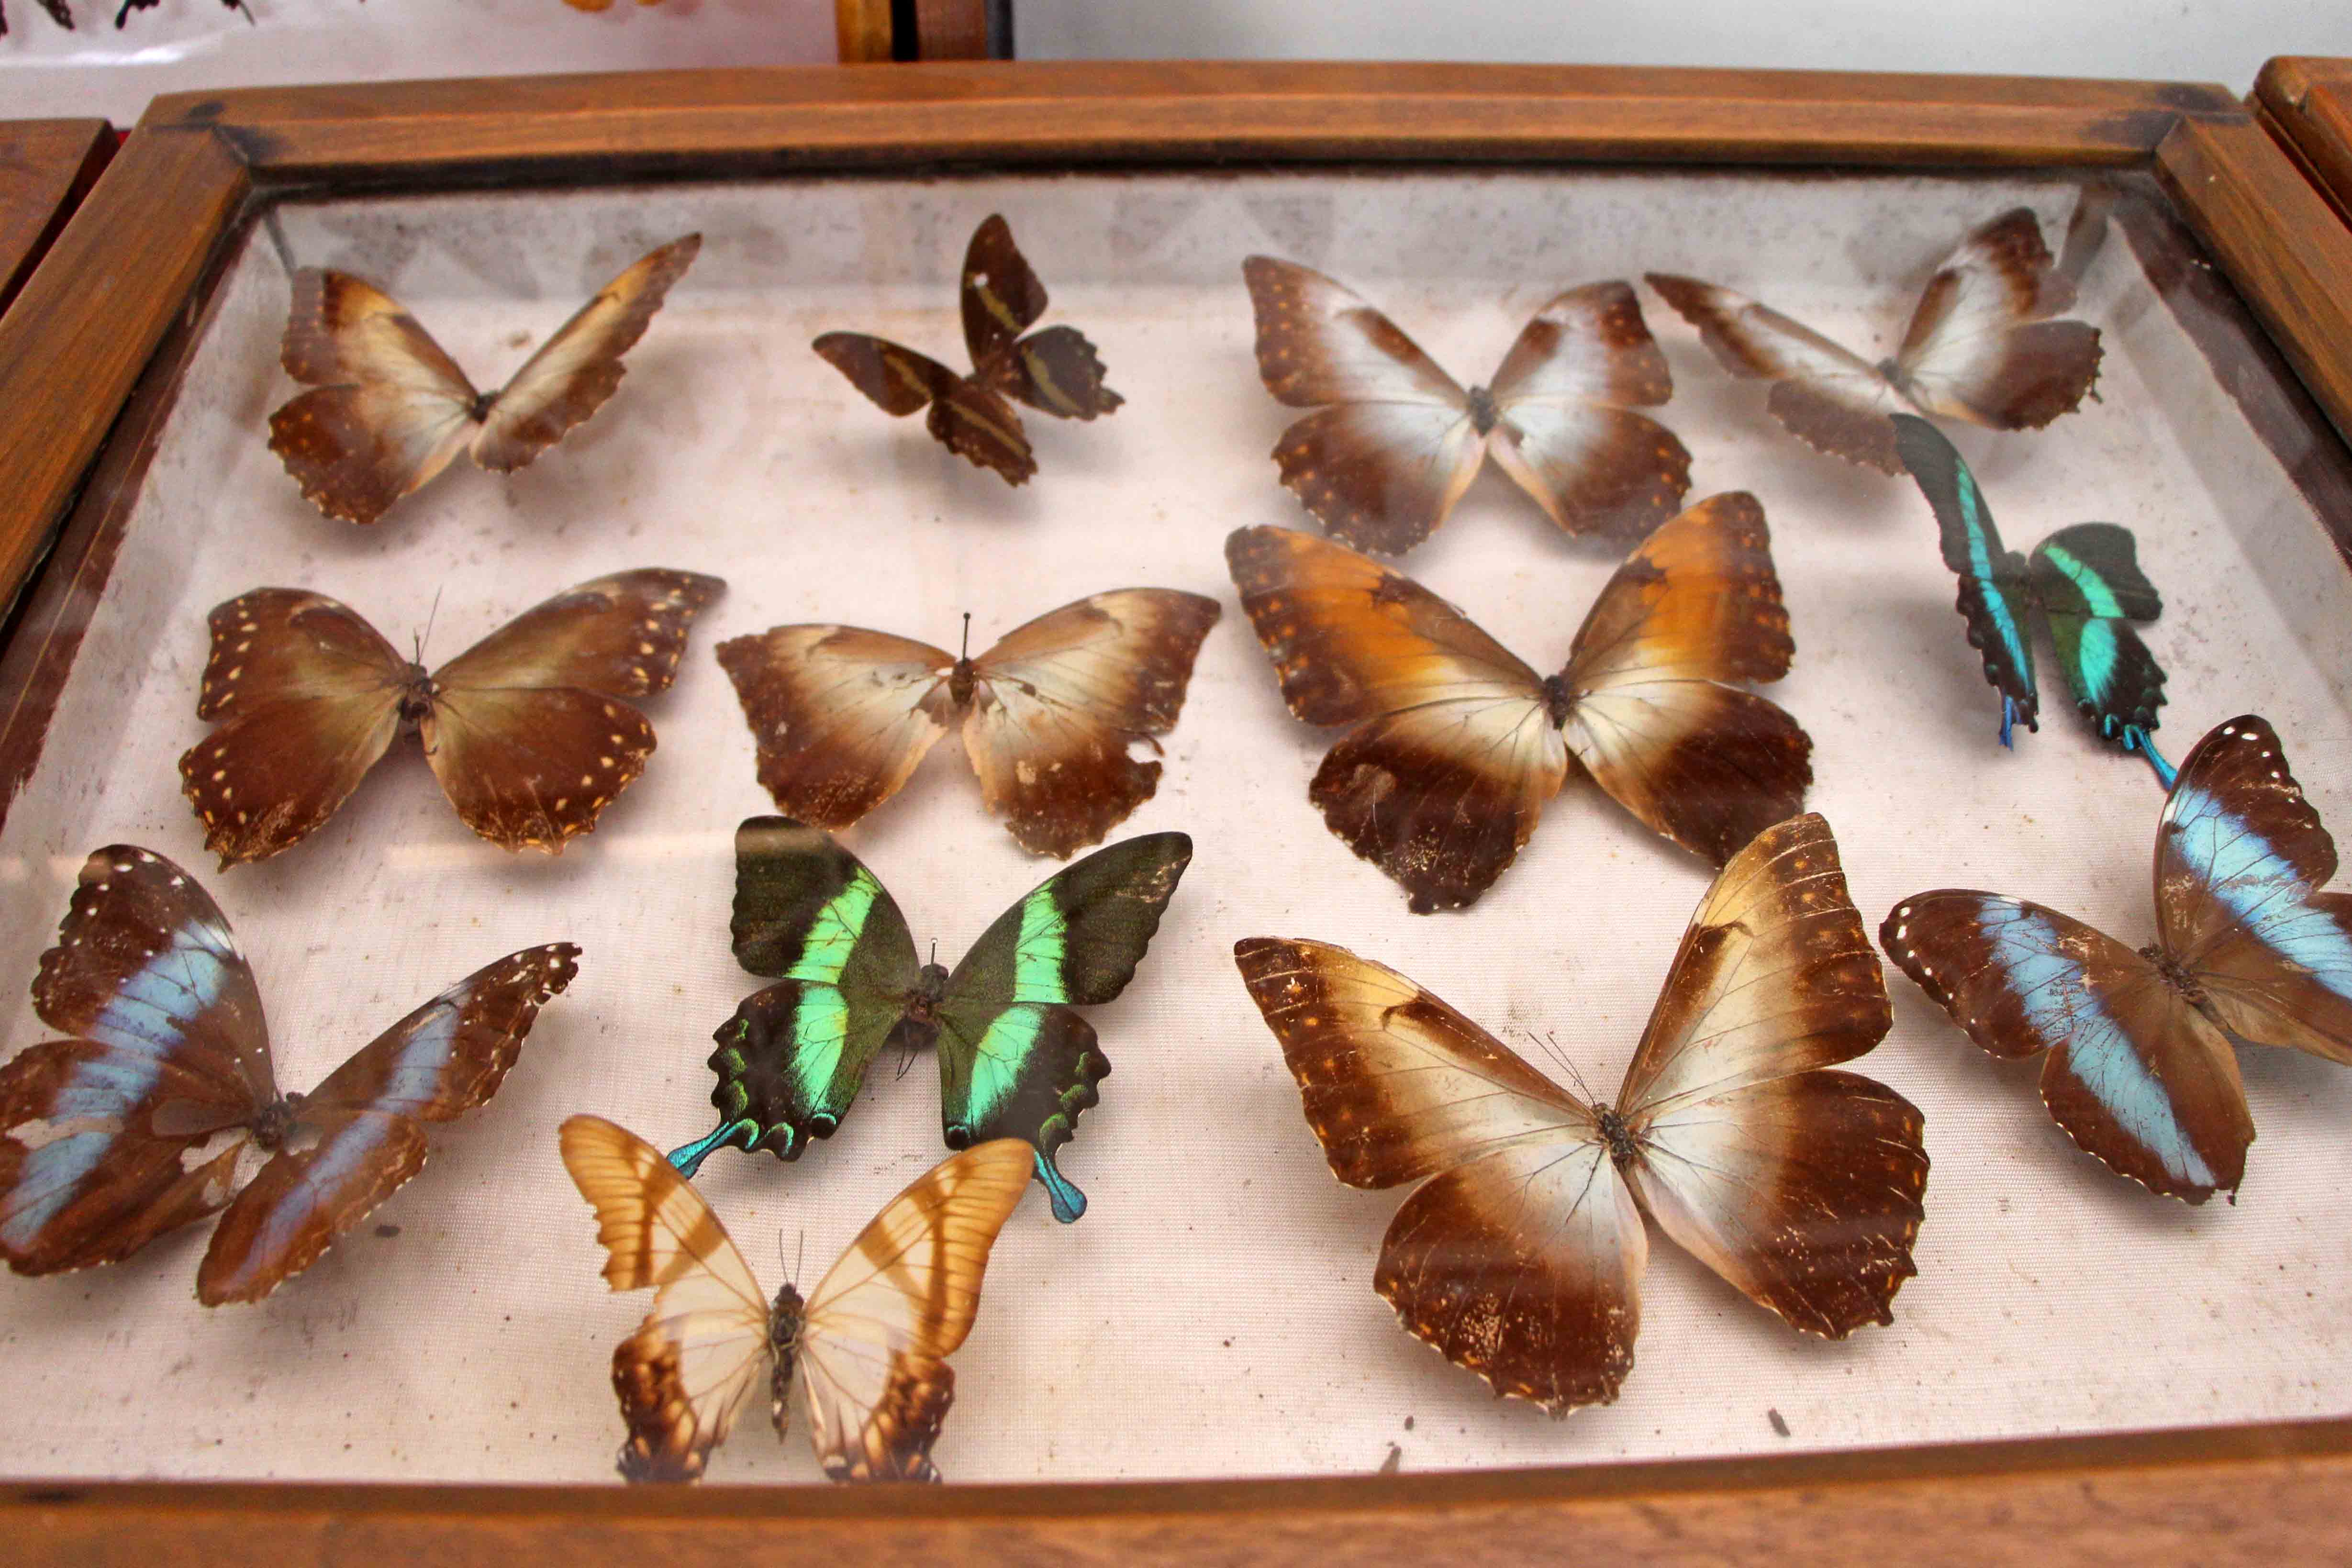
x=578, y=368
x=1015, y=1060
x=100, y=1134
x=1799, y=1185
x=1522, y=1259
x=440, y=1062
x=840, y=717
x=1976, y=348
x=389, y=407
x=684, y=1374
x=966, y=418
x=1055, y=372
x=1828, y=397
x=1384, y=463
x=1060, y=701
x=881, y=1323
x=307, y=697
x=1996, y=585
x=1001, y=295
x=2087, y=580
x=811, y=915
x=527, y=731
x=2135, y=1075
x=1565, y=430
x=1650, y=714
x=1454, y=753
x=2240, y=859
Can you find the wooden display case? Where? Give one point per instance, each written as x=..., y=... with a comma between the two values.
x=2307, y=102
x=89, y=363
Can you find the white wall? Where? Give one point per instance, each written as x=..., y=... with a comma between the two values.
x=197, y=44
x=2183, y=40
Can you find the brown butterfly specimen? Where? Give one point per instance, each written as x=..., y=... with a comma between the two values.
x=1521, y=1257
x=1457, y=744
x=388, y=409
x=842, y=715
x=1980, y=347
x=1401, y=441
x=1055, y=372
x=526, y=730
x=161, y=1103
x=871, y=1341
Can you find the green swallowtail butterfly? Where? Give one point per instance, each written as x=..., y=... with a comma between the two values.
x=2083, y=582
x=1015, y=1059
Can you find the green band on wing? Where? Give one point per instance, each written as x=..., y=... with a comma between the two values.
x=1038, y=972
x=2099, y=598
x=820, y=1034
x=832, y=935
x=997, y=1062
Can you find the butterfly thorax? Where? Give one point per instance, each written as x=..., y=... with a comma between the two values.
x=479, y=408
x=930, y=988
x=1624, y=1151
x=1559, y=700
x=416, y=693
x=962, y=682
x=1483, y=413
x=784, y=1343
x=275, y=1124
x=2177, y=974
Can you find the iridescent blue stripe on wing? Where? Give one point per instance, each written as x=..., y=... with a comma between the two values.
x=2255, y=883
x=414, y=1076
x=153, y=1009
x=1981, y=567
x=2065, y=1012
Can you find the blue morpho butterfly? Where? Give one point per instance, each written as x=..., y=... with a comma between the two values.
x=2140, y=1071
x=2085, y=579
x=162, y=1106
x=1015, y=1060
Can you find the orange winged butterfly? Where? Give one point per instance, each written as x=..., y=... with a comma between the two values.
x=870, y=1342
x=151, y=1114
x=1400, y=440
x=526, y=730
x=1981, y=347
x=389, y=409
x=1521, y=1257
x=842, y=715
x=1457, y=744
x=1055, y=372
x=2140, y=1070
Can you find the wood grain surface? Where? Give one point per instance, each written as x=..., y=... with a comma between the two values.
x=47, y=166
x=1007, y=113
x=75, y=342
x=2236, y=1495
x=2308, y=102
x=2280, y=242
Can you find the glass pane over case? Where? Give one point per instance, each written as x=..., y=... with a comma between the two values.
x=1212, y=1313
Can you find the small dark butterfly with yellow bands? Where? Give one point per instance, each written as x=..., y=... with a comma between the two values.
x=1055, y=372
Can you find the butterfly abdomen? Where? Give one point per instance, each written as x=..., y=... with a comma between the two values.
x=785, y=1318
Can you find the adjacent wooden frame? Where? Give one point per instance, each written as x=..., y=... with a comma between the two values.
x=2307, y=103
x=87, y=359
x=47, y=167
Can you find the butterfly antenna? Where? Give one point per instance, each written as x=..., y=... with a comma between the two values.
x=427, y=635
x=964, y=652
x=1551, y=1045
